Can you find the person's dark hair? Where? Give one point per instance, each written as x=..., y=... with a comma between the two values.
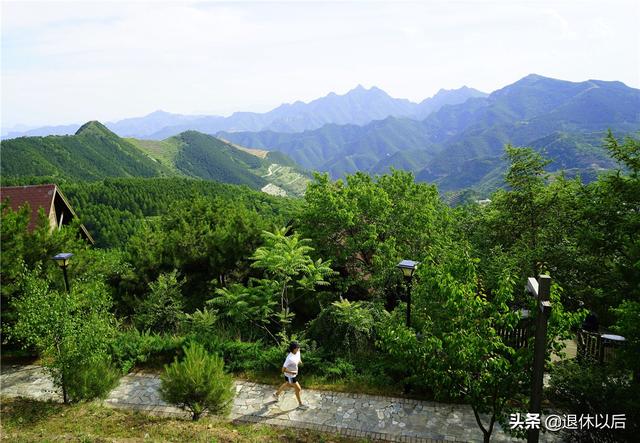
x=293, y=345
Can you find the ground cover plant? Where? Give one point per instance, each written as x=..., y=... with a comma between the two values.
x=32, y=421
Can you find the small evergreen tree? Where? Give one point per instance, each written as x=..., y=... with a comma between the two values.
x=161, y=311
x=197, y=383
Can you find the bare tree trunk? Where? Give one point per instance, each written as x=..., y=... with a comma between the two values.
x=486, y=433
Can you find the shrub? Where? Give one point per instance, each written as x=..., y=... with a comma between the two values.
x=339, y=369
x=197, y=383
x=345, y=328
x=596, y=389
x=162, y=309
x=132, y=347
x=93, y=379
x=272, y=358
x=240, y=356
x=199, y=324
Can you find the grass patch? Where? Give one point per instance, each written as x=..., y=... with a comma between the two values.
x=29, y=421
x=164, y=151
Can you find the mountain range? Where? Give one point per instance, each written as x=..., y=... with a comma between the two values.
x=454, y=139
x=94, y=152
x=461, y=145
x=358, y=106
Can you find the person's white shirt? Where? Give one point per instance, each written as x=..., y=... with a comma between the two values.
x=291, y=363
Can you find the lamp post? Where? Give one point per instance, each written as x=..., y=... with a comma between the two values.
x=408, y=267
x=63, y=261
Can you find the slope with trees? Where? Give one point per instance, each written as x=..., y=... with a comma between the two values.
x=95, y=153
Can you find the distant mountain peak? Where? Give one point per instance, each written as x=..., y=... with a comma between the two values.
x=361, y=89
x=442, y=91
x=536, y=78
x=463, y=89
x=158, y=113
x=94, y=127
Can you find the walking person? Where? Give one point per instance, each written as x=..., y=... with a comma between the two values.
x=290, y=371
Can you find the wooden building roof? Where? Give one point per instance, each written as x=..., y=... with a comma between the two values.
x=46, y=196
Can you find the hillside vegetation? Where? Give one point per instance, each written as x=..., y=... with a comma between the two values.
x=94, y=153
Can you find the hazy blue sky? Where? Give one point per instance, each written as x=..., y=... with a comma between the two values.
x=77, y=61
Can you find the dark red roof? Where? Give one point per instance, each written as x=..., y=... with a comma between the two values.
x=39, y=196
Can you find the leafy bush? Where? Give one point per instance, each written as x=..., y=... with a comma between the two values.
x=271, y=359
x=627, y=325
x=132, y=347
x=345, y=328
x=596, y=389
x=197, y=383
x=238, y=356
x=339, y=369
x=247, y=310
x=200, y=323
x=162, y=309
x=242, y=356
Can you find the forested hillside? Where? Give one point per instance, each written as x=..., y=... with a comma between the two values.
x=113, y=208
x=92, y=153
x=95, y=153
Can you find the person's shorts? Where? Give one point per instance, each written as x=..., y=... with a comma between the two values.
x=291, y=380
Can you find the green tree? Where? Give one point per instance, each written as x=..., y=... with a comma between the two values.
x=456, y=346
x=583, y=388
x=161, y=310
x=584, y=234
x=72, y=334
x=198, y=383
x=366, y=225
x=516, y=215
x=628, y=325
x=244, y=309
x=346, y=328
x=32, y=250
x=610, y=232
x=202, y=239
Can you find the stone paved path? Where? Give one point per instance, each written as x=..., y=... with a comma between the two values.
x=357, y=415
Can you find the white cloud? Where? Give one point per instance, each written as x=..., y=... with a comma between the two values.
x=64, y=62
